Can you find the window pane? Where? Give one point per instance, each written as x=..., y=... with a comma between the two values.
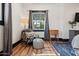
x=38, y=20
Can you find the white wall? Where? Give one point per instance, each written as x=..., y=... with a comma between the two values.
x=69, y=15
x=16, y=26
x=54, y=13
x=48, y=7
x=59, y=15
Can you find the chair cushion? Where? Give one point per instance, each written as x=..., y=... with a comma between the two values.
x=29, y=34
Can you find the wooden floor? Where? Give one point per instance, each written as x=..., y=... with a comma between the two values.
x=28, y=50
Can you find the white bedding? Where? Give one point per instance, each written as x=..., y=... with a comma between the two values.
x=75, y=44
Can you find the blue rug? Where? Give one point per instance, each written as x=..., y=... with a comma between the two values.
x=65, y=49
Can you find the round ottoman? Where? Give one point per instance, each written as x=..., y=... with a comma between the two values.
x=38, y=43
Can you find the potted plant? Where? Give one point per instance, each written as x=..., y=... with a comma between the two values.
x=72, y=23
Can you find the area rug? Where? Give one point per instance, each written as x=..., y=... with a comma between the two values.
x=64, y=49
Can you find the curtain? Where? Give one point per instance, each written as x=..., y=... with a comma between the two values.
x=30, y=20
x=10, y=29
x=46, y=31
x=7, y=42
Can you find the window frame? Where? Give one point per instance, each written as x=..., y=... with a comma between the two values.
x=44, y=11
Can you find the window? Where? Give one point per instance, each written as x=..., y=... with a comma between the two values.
x=38, y=20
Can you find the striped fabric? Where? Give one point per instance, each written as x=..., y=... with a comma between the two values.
x=65, y=49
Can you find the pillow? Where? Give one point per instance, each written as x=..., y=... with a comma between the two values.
x=29, y=34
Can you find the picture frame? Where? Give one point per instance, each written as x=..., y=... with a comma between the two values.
x=2, y=5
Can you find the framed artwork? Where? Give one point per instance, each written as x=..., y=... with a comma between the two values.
x=1, y=13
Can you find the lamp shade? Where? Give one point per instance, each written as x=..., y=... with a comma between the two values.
x=24, y=21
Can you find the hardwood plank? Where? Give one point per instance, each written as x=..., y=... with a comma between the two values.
x=35, y=51
x=28, y=50
x=25, y=51
x=21, y=50
x=17, y=49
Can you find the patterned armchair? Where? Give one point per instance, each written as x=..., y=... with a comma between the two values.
x=27, y=36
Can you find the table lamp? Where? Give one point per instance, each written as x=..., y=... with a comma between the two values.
x=24, y=22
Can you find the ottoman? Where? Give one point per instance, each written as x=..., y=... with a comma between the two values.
x=38, y=43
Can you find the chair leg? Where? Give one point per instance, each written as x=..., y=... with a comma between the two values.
x=50, y=40
x=56, y=38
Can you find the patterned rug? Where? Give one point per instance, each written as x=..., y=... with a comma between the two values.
x=64, y=49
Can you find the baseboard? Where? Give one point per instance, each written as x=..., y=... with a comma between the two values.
x=64, y=40
x=60, y=39
x=15, y=44
x=1, y=51
x=55, y=39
